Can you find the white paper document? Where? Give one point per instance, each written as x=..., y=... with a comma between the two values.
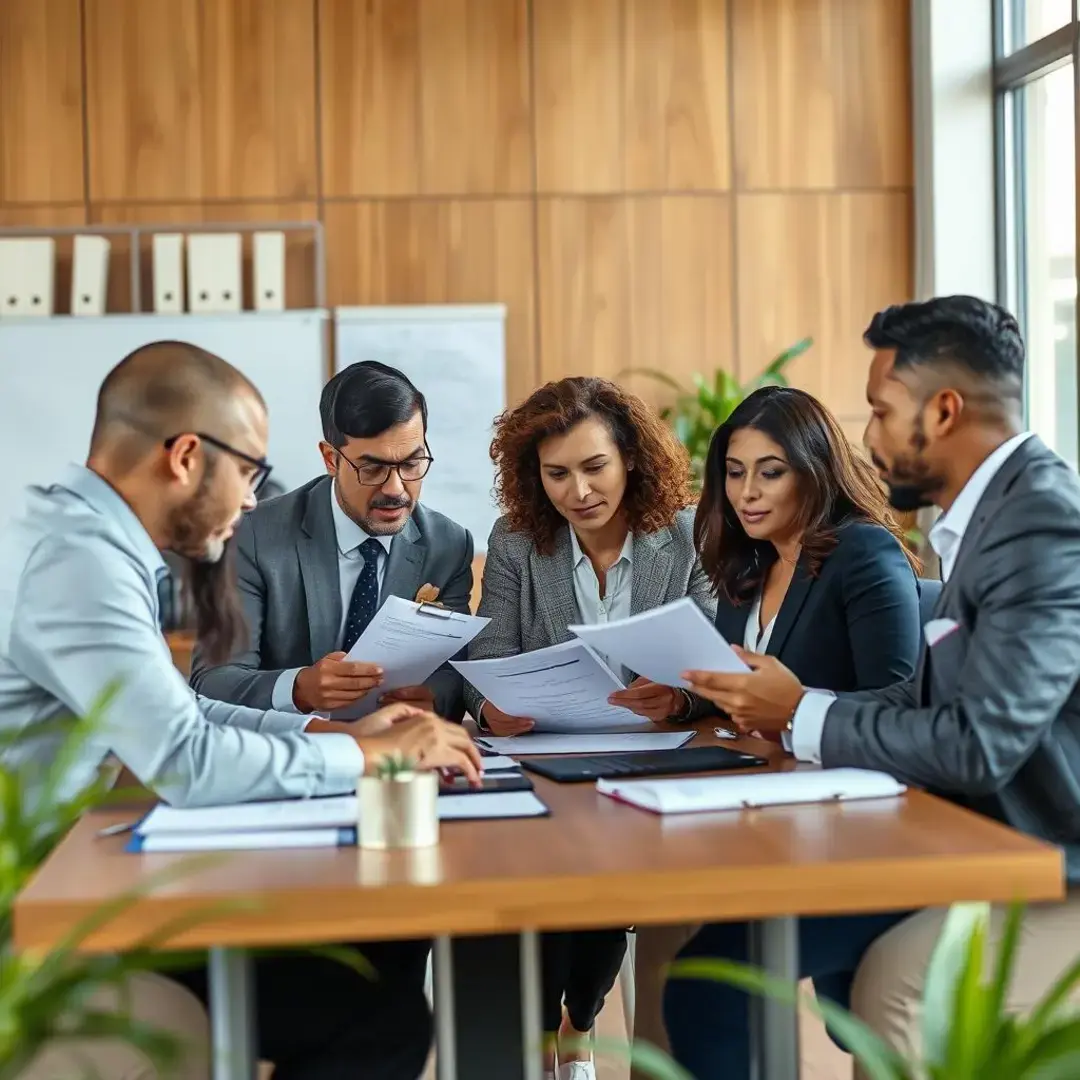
x=410, y=642
x=530, y=745
x=748, y=791
x=563, y=688
x=499, y=763
x=663, y=643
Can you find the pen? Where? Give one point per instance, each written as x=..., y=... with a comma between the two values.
x=116, y=830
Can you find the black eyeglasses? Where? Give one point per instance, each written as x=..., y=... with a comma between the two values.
x=376, y=473
x=262, y=468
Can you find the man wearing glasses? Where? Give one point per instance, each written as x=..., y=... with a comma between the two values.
x=314, y=565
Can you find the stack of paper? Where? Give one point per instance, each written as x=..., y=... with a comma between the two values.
x=298, y=823
x=536, y=745
x=687, y=796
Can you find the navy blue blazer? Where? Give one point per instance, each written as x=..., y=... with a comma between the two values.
x=853, y=626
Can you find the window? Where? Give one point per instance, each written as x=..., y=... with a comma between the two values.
x=1037, y=195
x=1027, y=21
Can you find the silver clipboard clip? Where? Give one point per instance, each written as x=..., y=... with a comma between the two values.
x=434, y=611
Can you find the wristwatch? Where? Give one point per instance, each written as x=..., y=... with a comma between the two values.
x=688, y=706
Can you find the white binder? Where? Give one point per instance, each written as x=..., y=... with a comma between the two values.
x=90, y=275
x=27, y=277
x=214, y=283
x=168, y=263
x=269, y=258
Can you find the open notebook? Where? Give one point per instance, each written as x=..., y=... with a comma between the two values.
x=741, y=792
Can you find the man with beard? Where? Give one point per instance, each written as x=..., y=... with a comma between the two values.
x=991, y=718
x=178, y=449
x=315, y=565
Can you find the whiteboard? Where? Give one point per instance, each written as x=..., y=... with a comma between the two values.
x=51, y=369
x=456, y=356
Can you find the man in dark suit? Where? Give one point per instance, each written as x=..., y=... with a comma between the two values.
x=314, y=565
x=991, y=718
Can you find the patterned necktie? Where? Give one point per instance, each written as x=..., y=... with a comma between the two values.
x=365, y=597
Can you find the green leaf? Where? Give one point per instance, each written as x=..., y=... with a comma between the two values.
x=653, y=373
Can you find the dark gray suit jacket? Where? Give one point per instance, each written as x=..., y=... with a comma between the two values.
x=287, y=564
x=529, y=597
x=991, y=718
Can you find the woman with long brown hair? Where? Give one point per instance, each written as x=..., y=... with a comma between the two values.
x=597, y=525
x=808, y=565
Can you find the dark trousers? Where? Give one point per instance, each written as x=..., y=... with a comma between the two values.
x=708, y=1023
x=578, y=967
x=317, y=1019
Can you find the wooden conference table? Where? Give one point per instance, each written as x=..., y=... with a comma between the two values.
x=489, y=886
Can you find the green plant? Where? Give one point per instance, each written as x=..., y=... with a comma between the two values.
x=698, y=412
x=395, y=765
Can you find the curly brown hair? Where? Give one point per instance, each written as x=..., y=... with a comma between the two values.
x=657, y=488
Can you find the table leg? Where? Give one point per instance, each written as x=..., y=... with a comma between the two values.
x=487, y=1007
x=774, y=947
x=232, y=1014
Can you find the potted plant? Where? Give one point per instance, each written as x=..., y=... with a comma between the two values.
x=398, y=806
x=699, y=411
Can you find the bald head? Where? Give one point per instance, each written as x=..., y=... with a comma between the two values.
x=166, y=388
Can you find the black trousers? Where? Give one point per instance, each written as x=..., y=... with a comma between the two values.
x=317, y=1019
x=578, y=967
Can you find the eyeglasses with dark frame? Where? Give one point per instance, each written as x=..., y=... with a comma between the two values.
x=376, y=473
x=261, y=466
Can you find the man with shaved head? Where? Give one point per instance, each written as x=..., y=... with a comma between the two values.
x=178, y=452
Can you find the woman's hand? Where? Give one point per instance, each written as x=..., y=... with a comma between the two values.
x=651, y=700
x=502, y=724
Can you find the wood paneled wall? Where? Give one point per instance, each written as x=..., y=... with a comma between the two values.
x=686, y=184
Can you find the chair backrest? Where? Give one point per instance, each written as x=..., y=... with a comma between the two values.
x=929, y=591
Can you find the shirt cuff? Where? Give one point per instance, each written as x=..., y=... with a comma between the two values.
x=343, y=763
x=282, y=697
x=807, y=725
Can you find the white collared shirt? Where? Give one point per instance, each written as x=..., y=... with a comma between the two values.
x=350, y=565
x=946, y=536
x=756, y=638
x=618, y=585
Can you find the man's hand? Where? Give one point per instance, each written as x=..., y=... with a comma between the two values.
x=372, y=724
x=333, y=682
x=761, y=701
x=503, y=724
x=423, y=738
x=652, y=700
x=419, y=696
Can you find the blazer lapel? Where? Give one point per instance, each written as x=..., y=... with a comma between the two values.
x=792, y=604
x=318, y=554
x=405, y=564
x=653, y=562
x=554, y=578
x=731, y=620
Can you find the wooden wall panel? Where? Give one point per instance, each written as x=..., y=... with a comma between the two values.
x=440, y=251
x=822, y=93
x=631, y=95
x=200, y=99
x=425, y=98
x=820, y=264
x=41, y=131
x=299, y=246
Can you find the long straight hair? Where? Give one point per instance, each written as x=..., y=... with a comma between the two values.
x=835, y=483
x=212, y=596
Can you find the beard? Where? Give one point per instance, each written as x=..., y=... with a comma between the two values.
x=372, y=526
x=209, y=587
x=910, y=483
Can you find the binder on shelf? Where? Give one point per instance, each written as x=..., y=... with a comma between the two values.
x=27, y=277
x=214, y=282
x=168, y=269
x=269, y=275
x=90, y=275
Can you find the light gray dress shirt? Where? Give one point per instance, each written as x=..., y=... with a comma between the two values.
x=945, y=538
x=618, y=585
x=350, y=565
x=79, y=613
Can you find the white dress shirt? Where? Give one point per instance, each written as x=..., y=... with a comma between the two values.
x=757, y=637
x=350, y=565
x=945, y=538
x=618, y=585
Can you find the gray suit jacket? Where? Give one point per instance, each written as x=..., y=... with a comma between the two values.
x=991, y=718
x=529, y=597
x=287, y=564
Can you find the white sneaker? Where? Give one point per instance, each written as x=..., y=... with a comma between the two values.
x=577, y=1070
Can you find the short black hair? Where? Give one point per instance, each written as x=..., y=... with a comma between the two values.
x=962, y=330
x=364, y=399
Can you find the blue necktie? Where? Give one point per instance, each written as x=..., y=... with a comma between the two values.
x=365, y=597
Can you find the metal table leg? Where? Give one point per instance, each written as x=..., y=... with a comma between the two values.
x=774, y=947
x=487, y=1007
x=232, y=1014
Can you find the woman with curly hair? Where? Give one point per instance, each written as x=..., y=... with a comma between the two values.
x=597, y=525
